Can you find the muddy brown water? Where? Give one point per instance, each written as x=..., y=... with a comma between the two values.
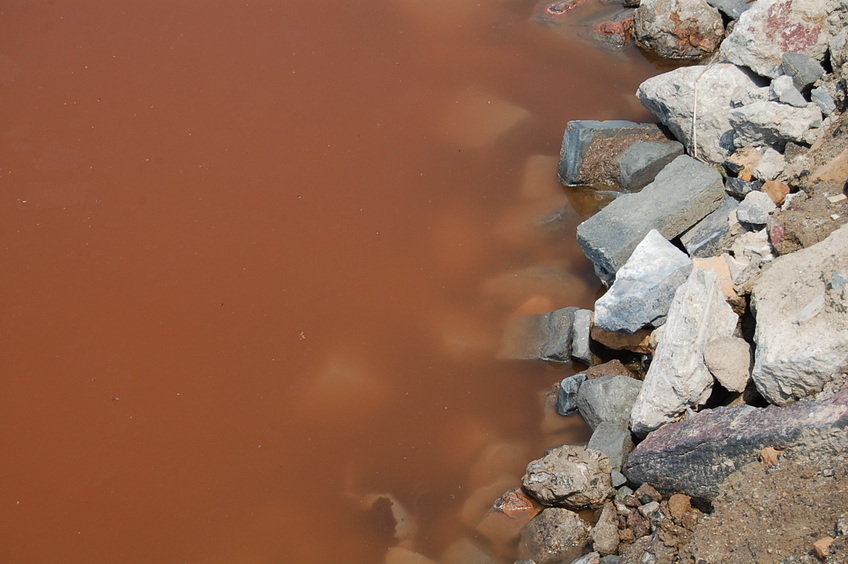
x=255, y=258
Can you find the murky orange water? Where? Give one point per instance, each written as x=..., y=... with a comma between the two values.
x=255, y=258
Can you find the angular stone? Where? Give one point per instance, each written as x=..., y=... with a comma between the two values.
x=640, y=163
x=771, y=164
x=802, y=69
x=675, y=29
x=570, y=476
x=776, y=190
x=590, y=558
x=771, y=28
x=608, y=398
x=567, y=394
x=677, y=378
x=546, y=336
x=710, y=236
x=590, y=149
x=644, y=287
x=639, y=342
x=773, y=123
x=729, y=361
x=755, y=208
x=823, y=99
x=783, y=90
x=802, y=330
x=739, y=188
x=605, y=532
x=581, y=336
x=614, y=440
x=610, y=368
x=682, y=193
x=695, y=455
x=695, y=104
x=744, y=161
x=555, y=535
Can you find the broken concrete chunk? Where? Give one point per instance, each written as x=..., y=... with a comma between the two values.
x=710, y=236
x=755, y=209
x=640, y=163
x=678, y=378
x=682, y=193
x=590, y=149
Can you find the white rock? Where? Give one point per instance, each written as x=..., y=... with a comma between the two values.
x=755, y=208
x=773, y=123
x=678, y=378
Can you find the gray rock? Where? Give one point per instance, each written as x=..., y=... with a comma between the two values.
x=604, y=534
x=755, y=208
x=729, y=361
x=695, y=103
x=773, y=123
x=618, y=479
x=590, y=149
x=639, y=164
x=567, y=393
x=667, y=28
x=581, y=340
x=554, y=536
x=802, y=331
x=822, y=98
x=611, y=559
x=643, y=287
x=783, y=90
x=773, y=27
x=802, y=69
x=732, y=8
x=739, y=188
x=839, y=49
x=711, y=235
x=678, y=378
x=608, y=398
x=682, y=193
x=770, y=166
x=570, y=476
x=614, y=440
x=695, y=455
x=545, y=336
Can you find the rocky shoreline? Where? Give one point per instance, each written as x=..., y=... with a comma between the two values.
x=725, y=255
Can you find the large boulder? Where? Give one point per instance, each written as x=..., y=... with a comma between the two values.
x=682, y=193
x=678, y=378
x=678, y=29
x=801, y=334
x=695, y=104
x=644, y=287
x=771, y=28
x=695, y=455
x=774, y=123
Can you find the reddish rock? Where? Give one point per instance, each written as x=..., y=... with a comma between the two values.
x=508, y=515
x=776, y=190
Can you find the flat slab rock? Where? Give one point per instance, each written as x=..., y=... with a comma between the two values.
x=695, y=455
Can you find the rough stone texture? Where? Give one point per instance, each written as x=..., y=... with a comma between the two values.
x=640, y=163
x=609, y=398
x=678, y=378
x=678, y=29
x=554, y=536
x=771, y=28
x=770, y=166
x=824, y=100
x=682, y=193
x=570, y=476
x=567, y=393
x=776, y=190
x=614, y=440
x=729, y=361
x=773, y=123
x=802, y=326
x=644, y=287
x=802, y=69
x=590, y=558
x=710, y=236
x=803, y=223
x=590, y=149
x=695, y=104
x=610, y=368
x=639, y=342
x=604, y=534
x=783, y=90
x=545, y=336
x=755, y=208
x=695, y=455
x=581, y=340
x=739, y=188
